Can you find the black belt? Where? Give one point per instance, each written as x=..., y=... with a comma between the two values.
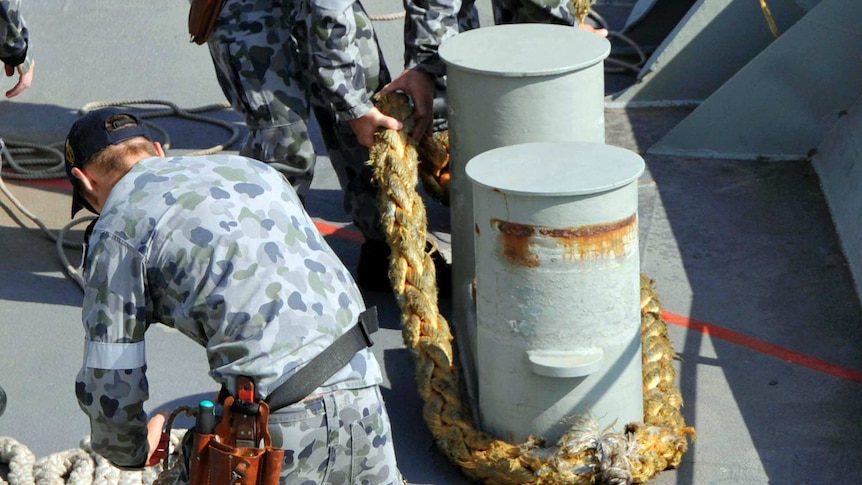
x=325, y=364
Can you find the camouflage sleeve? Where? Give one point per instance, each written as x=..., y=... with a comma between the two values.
x=14, y=50
x=112, y=385
x=427, y=24
x=335, y=55
x=560, y=12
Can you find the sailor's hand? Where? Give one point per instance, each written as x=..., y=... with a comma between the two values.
x=24, y=78
x=589, y=28
x=419, y=85
x=367, y=124
x=157, y=441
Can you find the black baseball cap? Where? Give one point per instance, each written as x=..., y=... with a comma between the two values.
x=90, y=134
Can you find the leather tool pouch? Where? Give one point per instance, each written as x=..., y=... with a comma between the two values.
x=224, y=457
x=202, y=18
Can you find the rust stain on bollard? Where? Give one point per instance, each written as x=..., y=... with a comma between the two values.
x=594, y=240
x=580, y=242
x=516, y=245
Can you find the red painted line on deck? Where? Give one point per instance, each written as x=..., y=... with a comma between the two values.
x=690, y=323
x=58, y=183
x=738, y=338
x=763, y=346
x=343, y=232
x=54, y=183
x=325, y=228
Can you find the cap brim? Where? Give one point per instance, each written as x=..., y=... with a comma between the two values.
x=79, y=202
x=77, y=205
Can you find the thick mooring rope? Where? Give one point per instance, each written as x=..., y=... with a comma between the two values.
x=585, y=454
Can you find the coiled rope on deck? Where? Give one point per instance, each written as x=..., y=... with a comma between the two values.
x=78, y=466
x=174, y=110
x=585, y=454
x=49, y=163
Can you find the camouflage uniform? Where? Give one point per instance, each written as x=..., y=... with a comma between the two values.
x=279, y=60
x=15, y=48
x=533, y=11
x=430, y=22
x=220, y=248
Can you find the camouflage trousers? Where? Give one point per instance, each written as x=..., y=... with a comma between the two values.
x=261, y=54
x=340, y=437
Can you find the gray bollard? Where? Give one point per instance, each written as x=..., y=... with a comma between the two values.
x=557, y=287
x=511, y=84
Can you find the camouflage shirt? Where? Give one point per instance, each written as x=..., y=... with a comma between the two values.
x=220, y=248
x=14, y=50
x=335, y=53
x=427, y=24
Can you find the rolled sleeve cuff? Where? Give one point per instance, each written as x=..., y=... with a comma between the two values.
x=432, y=64
x=137, y=467
x=26, y=64
x=18, y=59
x=354, y=112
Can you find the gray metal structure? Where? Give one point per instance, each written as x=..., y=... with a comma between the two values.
x=780, y=105
x=511, y=84
x=838, y=166
x=791, y=102
x=707, y=47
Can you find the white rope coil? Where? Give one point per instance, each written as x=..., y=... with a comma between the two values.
x=78, y=466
